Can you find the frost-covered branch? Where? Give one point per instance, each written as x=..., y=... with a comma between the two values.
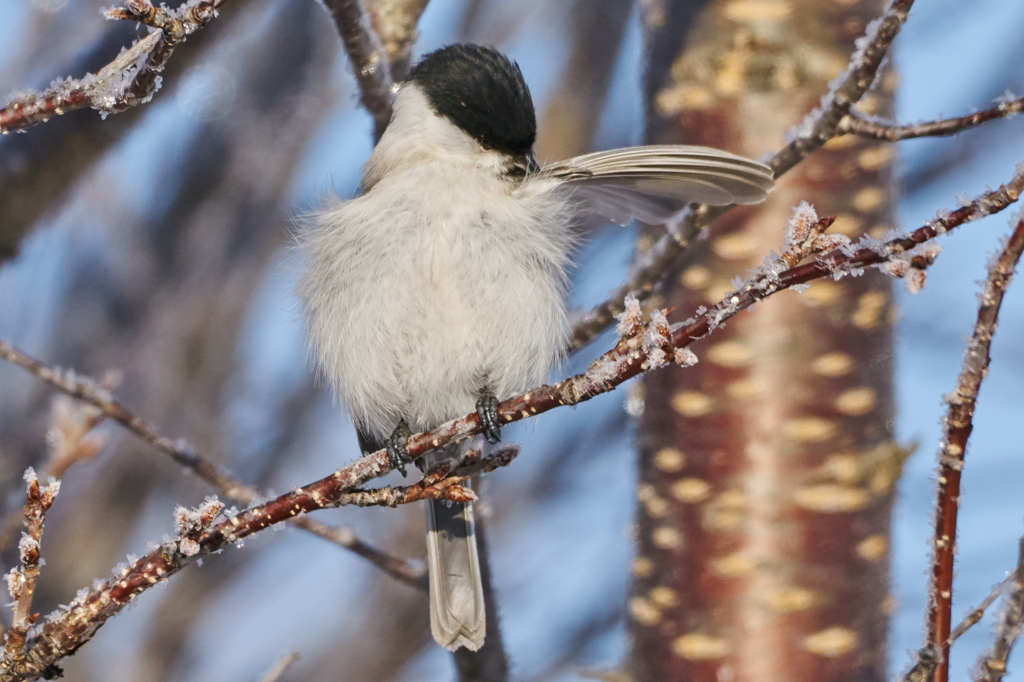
x=815, y=130
x=645, y=344
x=131, y=79
x=370, y=61
x=957, y=427
x=822, y=124
x=99, y=396
x=992, y=666
x=21, y=580
x=857, y=123
x=198, y=534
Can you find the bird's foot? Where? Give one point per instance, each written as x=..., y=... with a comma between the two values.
x=487, y=411
x=398, y=455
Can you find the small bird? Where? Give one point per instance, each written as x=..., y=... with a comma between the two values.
x=442, y=285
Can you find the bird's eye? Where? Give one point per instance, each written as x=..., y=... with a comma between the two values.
x=516, y=170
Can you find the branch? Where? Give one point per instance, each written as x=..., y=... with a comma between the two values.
x=992, y=666
x=857, y=123
x=957, y=428
x=70, y=438
x=21, y=581
x=99, y=396
x=279, y=669
x=442, y=483
x=928, y=656
x=643, y=346
x=131, y=79
x=369, y=60
x=815, y=130
x=395, y=22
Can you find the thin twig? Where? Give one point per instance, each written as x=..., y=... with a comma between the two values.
x=369, y=60
x=928, y=656
x=131, y=79
x=957, y=426
x=99, y=396
x=634, y=354
x=857, y=123
x=815, y=130
x=70, y=438
x=21, y=580
x=992, y=665
x=279, y=669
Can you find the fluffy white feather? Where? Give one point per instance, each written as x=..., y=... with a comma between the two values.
x=418, y=300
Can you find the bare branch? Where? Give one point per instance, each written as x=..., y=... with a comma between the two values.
x=413, y=574
x=957, y=427
x=992, y=666
x=857, y=123
x=99, y=396
x=21, y=581
x=279, y=669
x=370, y=61
x=131, y=79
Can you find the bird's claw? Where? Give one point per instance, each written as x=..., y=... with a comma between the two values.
x=487, y=411
x=398, y=455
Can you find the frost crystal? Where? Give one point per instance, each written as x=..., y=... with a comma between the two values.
x=28, y=549
x=684, y=357
x=49, y=493
x=915, y=280
x=15, y=581
x=1006, y=99
x=635, y=402
x=602, y=370
x=656, y=337
x=895, y=268
x=800, y=223
x=830, y=241
x=630, y=318
x=188, y=547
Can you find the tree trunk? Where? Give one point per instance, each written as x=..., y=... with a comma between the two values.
x=767, y=470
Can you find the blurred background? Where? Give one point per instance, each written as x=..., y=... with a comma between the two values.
x=160, y=246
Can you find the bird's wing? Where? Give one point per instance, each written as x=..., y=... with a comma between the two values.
x=653, y=183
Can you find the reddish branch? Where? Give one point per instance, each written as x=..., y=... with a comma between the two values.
x=369, y=59
x=99, y=396
x=957, y=426
x=928, y=656
x=68, y=630
x=21, y=580
x=992, y=666
x=858, y=124
x=131, y=79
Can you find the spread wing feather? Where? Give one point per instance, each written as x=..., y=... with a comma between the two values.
x=653, y=183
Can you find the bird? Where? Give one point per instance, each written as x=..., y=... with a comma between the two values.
x=442, y=284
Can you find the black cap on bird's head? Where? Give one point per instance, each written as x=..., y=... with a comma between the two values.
x=482, y=92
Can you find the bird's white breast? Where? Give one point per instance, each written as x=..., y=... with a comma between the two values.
x=438, y=282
